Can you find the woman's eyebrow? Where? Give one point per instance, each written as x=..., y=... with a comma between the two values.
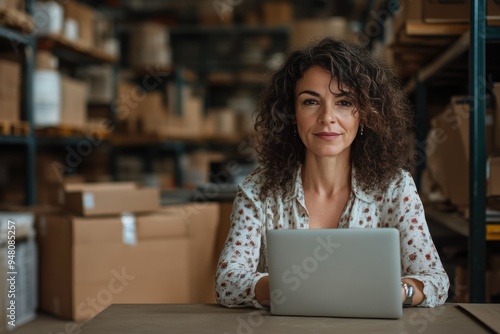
x=313, y=93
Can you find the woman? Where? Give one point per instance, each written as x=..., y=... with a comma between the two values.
x=335, y=147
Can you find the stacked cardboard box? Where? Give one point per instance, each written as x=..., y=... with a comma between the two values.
x=146, y=112
x=12, y=4
x=492, y=287
x=10, y=90
x=447, y=149
x=277, y=13
x=306, y=31
x=442, y=11
x=150, y=45
x=89, y=261
x=75, y=22
x=59, y=100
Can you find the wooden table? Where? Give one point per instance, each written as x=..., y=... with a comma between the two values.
x=170, y=318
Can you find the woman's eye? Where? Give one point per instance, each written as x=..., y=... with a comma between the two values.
x=310, y=102
x=345, y=103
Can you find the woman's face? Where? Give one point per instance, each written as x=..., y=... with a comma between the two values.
x=327, y=123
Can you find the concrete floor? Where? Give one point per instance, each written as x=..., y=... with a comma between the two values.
x=46, y=324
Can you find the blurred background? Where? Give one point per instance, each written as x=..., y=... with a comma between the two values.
x=126, y=126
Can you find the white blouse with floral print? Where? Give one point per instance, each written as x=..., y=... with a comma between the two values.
x=243, y=260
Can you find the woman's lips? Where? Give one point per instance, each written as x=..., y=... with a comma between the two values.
x=327, y=135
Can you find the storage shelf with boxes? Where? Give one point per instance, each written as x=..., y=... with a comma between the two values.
x=430, y=50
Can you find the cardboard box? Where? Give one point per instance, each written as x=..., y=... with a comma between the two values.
x=10, y=80
x=89, y=199
x=100, y=83
x=203, y=221
x=493, y=176
x=304, y=32
x=10, y=90
x=461, y=109
x=493, y=10
x=59, y=100
x=446, y=157
x=45, y=60
x=445, y=11
x=277, y=13
x=74, y=102
x=216, y=13
x=10, y=110
x=149, y=45
x=496, y=118
x=12, y=4
x=84, y=16
x=87, y=264
x=448, y=149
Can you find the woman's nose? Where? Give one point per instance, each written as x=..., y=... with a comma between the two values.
x=327, y=115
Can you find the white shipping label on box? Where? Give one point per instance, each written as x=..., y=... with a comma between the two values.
x=47, y=98
x=129, y=235
x=88, y=201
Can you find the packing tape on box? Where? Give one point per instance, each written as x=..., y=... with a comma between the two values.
x=129, y=235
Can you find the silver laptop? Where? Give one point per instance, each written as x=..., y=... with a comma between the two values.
x=335, y=272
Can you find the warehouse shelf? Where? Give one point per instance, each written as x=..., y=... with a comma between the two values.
x=19, y=41
x=13, y=140
x=474, y=41
x=14, y=36
x=73, y=51
x=228, y=30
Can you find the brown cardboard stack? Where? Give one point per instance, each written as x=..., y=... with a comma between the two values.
x=150, y=45
x=162, y=256
x=493, y=176
x=58, y=99
x=443, y=11
x=277, y=13
x=146, y=112
x=492, y=287
x=84, y=18
x=306, y=31
x=448, y=150
x=114, y=250
x=12, y=4
x=10, y=90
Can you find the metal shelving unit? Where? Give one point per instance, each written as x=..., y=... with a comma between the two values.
x=26, y=44
x=473, y=41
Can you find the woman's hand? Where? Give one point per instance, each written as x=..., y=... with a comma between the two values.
x=262, y=294
x=418, y=288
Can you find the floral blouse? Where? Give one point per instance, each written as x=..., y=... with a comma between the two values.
x=243, y=260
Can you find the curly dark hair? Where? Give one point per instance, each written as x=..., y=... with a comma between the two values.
x=387, y=144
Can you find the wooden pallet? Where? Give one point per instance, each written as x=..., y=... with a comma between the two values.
x=68, y=131
x=17, y=19
x=14, y=128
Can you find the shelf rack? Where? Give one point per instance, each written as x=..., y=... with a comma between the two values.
x=25, y=43
x=473, y=40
